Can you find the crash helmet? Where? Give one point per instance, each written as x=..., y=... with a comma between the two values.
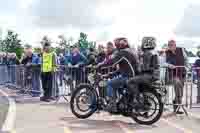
x=121, y=43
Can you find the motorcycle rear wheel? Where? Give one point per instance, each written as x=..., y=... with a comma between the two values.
x=159, y=107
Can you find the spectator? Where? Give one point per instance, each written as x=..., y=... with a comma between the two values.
x=32, y=62
x=3, y=68
x=176, y=57
x=162, y=59
x=61, y=62
x=91, y=57
x=197, y=66
x=12, y=61
x=101, y=54
x=1, y=58
x=110, y=50
x=77, y=59
x=68, y=56
x=61, y=59
x=29, y=57
x=48, y=68
x=4, y=60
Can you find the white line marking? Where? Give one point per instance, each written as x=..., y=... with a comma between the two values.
x=11, y=115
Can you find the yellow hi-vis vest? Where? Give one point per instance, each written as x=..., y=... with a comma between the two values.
x=47, y=62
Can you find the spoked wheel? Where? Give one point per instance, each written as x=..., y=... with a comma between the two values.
x=153, y=109
x=83, y=101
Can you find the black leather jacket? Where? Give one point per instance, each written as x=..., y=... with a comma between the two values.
x=127, y=61
x=150, y=63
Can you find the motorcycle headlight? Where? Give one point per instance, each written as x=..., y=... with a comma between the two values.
x=91, y=78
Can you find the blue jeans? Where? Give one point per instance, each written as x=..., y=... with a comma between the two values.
x=116, y=83
x=36, y=83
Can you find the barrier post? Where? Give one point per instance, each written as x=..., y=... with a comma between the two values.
x=198, y=87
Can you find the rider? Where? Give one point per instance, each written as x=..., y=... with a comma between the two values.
x=149, y=67
x=127, y=62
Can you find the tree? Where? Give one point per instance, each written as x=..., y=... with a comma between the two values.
x=45, y=39
x=11, y=43
x=38, y=50
x=63, y=42
x=83, y=42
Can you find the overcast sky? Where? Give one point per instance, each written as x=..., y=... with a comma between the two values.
x=102, y=19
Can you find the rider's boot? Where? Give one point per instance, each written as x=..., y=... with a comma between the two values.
x=112, y=105
x=137, y=103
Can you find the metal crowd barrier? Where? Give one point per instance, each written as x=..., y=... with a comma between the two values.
x=22, y=79
x=179, y=85
x=66, y=78
x=27, y=80
x=195, y=93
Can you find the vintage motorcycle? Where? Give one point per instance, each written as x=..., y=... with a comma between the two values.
x=90, y=97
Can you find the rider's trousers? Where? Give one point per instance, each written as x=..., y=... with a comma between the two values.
x=116, y=83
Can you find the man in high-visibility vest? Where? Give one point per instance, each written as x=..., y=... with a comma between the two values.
x=47, y=67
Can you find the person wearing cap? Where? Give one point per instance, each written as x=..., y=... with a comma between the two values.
x=176, y=56
x=47, y=67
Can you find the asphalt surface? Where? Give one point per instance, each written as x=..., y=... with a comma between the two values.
x=34, y=116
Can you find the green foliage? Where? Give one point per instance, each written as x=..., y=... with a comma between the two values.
x=11, y=43
x=37, y=50
x=58, y=50
x=83, y=42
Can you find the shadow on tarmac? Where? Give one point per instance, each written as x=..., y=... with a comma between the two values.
x=99, y=125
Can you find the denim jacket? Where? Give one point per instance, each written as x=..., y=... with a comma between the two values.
x=36, y=59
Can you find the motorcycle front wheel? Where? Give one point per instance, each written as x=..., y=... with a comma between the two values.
x=83, y=101
x=154, y=108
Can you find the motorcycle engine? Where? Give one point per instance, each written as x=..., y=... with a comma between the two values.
x=91, y=78
x=102, y=83
x=123, y=106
